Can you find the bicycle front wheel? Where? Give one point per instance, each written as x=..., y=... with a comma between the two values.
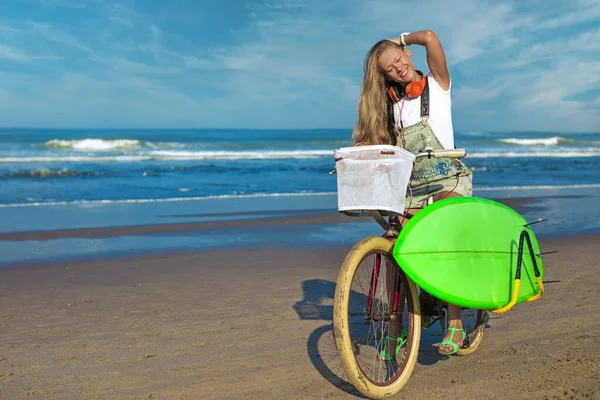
x=374, y=304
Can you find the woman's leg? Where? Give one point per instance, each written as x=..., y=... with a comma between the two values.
x=395, y=326
x=454, y=320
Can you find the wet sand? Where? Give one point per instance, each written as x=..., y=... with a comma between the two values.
x=256, y=324
x=324, y=216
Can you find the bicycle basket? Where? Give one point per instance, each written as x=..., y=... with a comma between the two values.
x=372, y=178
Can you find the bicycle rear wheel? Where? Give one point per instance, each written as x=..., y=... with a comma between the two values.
x=364, y=318
x=474, y=324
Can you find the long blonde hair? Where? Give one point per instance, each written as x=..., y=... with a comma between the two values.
x=373, y=125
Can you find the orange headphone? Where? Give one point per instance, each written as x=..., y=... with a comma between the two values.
x=412, y=91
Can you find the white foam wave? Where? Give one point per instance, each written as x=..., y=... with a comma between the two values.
x=266, y=195
x=166, y=200
x=539, y=187
x=73, y=159
x=166, y=155
x=238, y=155
x=90, y=144
x=540, y=154
x=551, y=141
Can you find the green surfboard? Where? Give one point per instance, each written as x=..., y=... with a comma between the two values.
x=464, y=250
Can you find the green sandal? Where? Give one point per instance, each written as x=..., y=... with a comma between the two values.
x=401, y=342
x=455, y=347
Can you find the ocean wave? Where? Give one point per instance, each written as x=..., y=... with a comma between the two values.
x=91, y=144
x=266, y=195
x=47, y=173
x=239, y=155
x=165, y=200
x=549, y=141
x=537, y=154
x=165, y=155
x=73, y=159
x=539, y=187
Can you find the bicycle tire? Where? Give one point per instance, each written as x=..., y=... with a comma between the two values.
x=476, y=336
x=345, y=347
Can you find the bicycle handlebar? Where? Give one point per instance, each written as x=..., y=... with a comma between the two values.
x=445, y=153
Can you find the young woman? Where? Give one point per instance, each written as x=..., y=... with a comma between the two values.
x=400, y=105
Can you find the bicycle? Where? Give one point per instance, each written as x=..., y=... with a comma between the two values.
x=367, y=325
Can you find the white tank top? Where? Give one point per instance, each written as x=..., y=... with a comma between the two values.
x=440, y=112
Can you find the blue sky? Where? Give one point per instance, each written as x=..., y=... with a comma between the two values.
x=516, y=65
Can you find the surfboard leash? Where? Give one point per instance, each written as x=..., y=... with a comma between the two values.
x=515, y=296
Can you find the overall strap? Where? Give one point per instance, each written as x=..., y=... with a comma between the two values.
x=425, y=102
x=424, y=113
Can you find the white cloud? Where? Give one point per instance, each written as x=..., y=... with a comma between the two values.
x=473, y=36
x=156, y=33
x=552, y=87
x=582, y=46
x=15, y=54
x=11, y=53
x=467, y=95
x=553, y=99
x=34, y=33
x=82, y=99
x=292, y=56
x=195, y=62
x=8, y=30
x=571, y=13
x=52, y=33
x=138, y=68
x=120, y=14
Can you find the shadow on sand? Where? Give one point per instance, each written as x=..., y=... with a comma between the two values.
x=317, y=305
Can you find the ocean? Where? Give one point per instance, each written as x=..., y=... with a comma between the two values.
x=71, y=166
x=79, y=194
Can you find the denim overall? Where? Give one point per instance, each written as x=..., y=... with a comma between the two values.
x=431, y=175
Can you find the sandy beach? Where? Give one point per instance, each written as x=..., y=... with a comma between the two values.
x=257, y=324
x=182, y=182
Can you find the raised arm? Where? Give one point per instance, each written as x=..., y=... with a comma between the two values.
x=436, y=59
